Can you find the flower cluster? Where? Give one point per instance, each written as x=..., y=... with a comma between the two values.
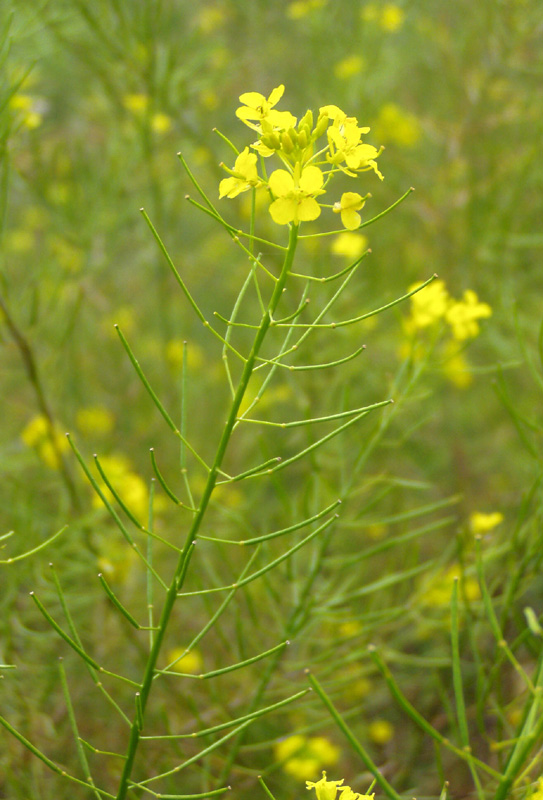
x=328, y=790
x=434, y=303
x=303, y=756
x=306, y=167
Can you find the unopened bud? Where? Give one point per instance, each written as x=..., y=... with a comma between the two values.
x=286, y=143
x=321, y=126
x=306, y=121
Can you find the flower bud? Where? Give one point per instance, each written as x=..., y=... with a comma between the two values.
x=287, y=142
x=321, y=126
x=306, y=121
x=303, y=139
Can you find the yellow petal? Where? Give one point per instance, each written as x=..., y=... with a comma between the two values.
x=309, y=209
x=275, y=95
x=351, y=220
x=252, y=99
x=281, y=182
x=311, y=180
x=283, y=210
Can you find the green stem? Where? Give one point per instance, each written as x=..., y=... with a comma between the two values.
x=186, y=553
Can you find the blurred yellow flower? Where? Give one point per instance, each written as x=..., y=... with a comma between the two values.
x=175, y=350
x=462, y=315
x=429, y=305
x=348, y=67
x=208, y=99
x=28, y=110
x=128, y=485
x=350, y=245
x=47, y=442
x=483, y=523
x=305, y=755
x=301, y=8
x=537, y=794
x=393, y=124
x=161, y=123
x=191, y=662
x=95, y=419
x=380, y=731
x=211, y=18
x=349, y=629
x=455, y=367
x=438, y=591
x=392, y=17
x=68, y=255
x=19, y=240
x=137, y=103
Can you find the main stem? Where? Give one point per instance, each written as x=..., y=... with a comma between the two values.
x=188, y=549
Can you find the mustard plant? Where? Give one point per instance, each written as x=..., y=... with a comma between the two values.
x=308, y=156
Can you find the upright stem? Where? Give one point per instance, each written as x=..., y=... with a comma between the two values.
x=188, y=549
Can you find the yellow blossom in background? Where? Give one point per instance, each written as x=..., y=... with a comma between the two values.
x=208, y=99
x=37, y=434
x=124, y=318
x=350, y=245
x=380, y=731
x=349, y=629
x=455, y=367
x=429, y=305
x=161, y=123
x=211, y=18
x=348, y=67
x=537, y=794
x=295, y=195
x=19, y=240
x=348, y=206
x=137, y=103
x=191, y=663
x=305, y=755
x=116, y=561
x=394, y=124
x=128, y=485
x=438, y=591
x=95, y=419
x=67, y=255
x=462, y=315
x=392, y=17
x=175, y=350
x=27, y=109
x=244, y=175
x=301, y=8
x=483, y=523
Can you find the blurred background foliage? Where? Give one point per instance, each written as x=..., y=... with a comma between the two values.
x=97, y=99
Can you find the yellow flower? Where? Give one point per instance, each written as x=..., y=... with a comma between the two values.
x=396, y=125
x=295, y=194
x=350, y=203
x=137, y=103
x=392, y=18
x=462, y=316
x=302, y=755
x=161, y=123
x=29, y=110
x=244, y=176
x=345, y=144
x=538, y=793
x=324, y=789
x=438, y=592
x=37, y=434
x=301, y=8
x=128, y=485
x=381, y=732
x=349, y=66
x=257, y=107
x=457, y=370
x=95, y=419
x=191, y=662
x=348, y=244
x=429, y=305
x=482, y=523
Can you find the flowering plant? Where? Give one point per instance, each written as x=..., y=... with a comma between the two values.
x=307, y=166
